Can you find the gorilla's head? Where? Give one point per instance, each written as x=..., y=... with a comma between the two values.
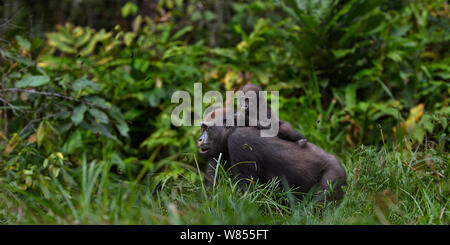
x=213, y=140
x=250, y=92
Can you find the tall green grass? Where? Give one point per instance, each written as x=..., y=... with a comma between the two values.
x=384, y=187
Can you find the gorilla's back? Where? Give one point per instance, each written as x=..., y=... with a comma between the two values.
x=268, y=157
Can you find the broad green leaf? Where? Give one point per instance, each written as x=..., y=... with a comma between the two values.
x=78, y=114
x=65, y=35
x=99, y=115
x=384, y=110
x=102, y=35
x=174, y=51
x=129, y=9
x=401, y=30
x=123, y=128
x=445, y=110
x=97, y=101
x=128, y=38
x=100, y=129
x=443, y=75
x=84, y=38
x=62, y=114
x=27, y=172
x=419, y=134
x=54, y=170
x=89, y=48
x=16, y=57
x=137, y=23
x=83, y=83
x=121, y=125
x=343, y=52
x=56, y=40
x=77, y=32
x=32, y=81
x=395, y=56
x=11, y=144
x=24, y=43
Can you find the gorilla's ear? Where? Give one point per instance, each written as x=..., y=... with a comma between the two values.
x=216, y=117
x=209, y=119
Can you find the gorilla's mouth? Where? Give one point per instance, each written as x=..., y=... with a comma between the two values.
x=203, y=149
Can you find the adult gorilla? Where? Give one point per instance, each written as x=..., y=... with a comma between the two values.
x=264, y=158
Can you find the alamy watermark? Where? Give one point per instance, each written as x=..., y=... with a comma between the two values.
x=240, y=109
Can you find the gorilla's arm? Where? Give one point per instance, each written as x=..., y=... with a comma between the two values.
x=286, y=132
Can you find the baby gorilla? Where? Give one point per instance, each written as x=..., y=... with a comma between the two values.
x=285, y=131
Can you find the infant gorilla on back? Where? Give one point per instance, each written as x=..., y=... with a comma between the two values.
x=285, y=130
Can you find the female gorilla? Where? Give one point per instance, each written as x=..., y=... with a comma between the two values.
x=264, y=158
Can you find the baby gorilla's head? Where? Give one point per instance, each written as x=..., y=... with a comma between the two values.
x=250, y=92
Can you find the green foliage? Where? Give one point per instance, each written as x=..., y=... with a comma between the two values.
x=129, y=9
x=383, y=188
x=86, y=137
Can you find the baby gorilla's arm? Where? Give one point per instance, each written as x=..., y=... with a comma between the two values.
x=286, y=132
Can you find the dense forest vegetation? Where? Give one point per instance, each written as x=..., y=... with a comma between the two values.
x=85, y=104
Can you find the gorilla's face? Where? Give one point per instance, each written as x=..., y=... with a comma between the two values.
x=204, y=142
x=213, y=140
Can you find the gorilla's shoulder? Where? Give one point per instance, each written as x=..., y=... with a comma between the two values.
x=251, y=136
x=243, y=136
x=244, y=133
